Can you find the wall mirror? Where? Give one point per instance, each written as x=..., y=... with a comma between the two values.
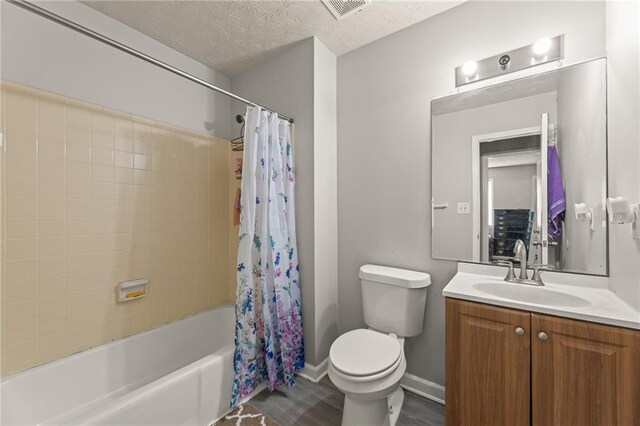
x=523, y=160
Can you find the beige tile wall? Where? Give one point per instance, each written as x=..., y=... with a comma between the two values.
x=92, y=197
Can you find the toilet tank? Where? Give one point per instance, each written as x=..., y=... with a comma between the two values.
x=394, y=299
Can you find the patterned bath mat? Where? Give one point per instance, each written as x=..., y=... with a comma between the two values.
x=246, y=415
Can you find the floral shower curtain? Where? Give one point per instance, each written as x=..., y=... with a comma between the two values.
x=268, y=341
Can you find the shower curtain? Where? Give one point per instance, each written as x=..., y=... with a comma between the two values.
x=268, y=340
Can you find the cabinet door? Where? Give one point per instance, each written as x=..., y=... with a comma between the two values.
x=487, y=365
x=584, y=374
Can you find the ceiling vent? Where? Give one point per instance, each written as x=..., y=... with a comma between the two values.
x=342, y=8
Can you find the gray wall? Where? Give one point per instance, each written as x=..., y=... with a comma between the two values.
x=384, y=175
x=42, y=54
x=325, y=172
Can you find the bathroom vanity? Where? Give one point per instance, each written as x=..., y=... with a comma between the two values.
x=521, y=355
x=519, y=178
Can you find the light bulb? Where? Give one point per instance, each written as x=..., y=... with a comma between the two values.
x=470, y=68
x=542, y=46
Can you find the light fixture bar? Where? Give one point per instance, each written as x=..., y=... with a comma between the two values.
x=543, y=51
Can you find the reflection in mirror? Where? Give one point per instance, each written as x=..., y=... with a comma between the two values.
x=509, y=175
x=520, y=155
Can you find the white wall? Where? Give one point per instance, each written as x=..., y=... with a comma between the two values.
x=512, y=186
x=384, y=174
x=40, y=53
x=300, y=82
x=623, y=52
x=325, y=171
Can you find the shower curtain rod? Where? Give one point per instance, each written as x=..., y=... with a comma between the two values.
x=133, y=52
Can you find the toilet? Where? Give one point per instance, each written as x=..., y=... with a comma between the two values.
x=368, y=364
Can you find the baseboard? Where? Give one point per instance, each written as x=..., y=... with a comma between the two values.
x=314, y=373
x=415, y=384
x=422, y=387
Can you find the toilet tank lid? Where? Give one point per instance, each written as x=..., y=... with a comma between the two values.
x=394, y=276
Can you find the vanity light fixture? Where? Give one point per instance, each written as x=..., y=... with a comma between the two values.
x=544, y=50
x=540, y=49
x=542, y=46
x=470, y=68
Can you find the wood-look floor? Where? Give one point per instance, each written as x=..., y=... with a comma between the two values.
x=320, y=404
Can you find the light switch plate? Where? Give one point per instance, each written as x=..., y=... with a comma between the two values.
x=464, y=208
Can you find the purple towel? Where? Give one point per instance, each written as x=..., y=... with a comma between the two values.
x=555, y=194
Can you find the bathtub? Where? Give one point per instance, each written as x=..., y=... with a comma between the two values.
x=177, y=374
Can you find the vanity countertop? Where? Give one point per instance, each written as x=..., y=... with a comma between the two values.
x=581, y=297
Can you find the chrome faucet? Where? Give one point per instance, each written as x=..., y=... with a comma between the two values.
x=520, y=252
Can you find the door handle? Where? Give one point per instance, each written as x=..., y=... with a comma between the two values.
x=519, y=331
x=543, y=336
x=544, y=243
x=435, y=207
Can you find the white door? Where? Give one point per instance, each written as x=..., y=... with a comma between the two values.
x=544, y=209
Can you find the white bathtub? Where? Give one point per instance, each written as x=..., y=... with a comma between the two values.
x=177, y=374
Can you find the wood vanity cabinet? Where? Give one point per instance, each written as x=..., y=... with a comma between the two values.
x=584, y=373
x=487, y=365
x=511, y=367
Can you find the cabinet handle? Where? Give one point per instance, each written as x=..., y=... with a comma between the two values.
x=519, y=331
x=543, y=336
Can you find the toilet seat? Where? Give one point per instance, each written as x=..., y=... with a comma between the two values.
x=364, y=353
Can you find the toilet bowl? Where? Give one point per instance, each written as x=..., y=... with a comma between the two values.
x=367, y=366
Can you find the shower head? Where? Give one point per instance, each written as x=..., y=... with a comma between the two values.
x=239, y=119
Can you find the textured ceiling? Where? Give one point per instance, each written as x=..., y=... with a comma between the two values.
x=231, y=36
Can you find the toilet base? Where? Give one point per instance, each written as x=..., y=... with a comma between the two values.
x=382, y=412
x=395, y=405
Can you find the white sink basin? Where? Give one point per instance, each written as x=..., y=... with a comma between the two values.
x=581, y=297
x=529, y=294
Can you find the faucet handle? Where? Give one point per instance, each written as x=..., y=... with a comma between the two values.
x=541, y=267
x=511, y=275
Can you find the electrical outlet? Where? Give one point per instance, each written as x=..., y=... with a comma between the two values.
x=464, y=208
